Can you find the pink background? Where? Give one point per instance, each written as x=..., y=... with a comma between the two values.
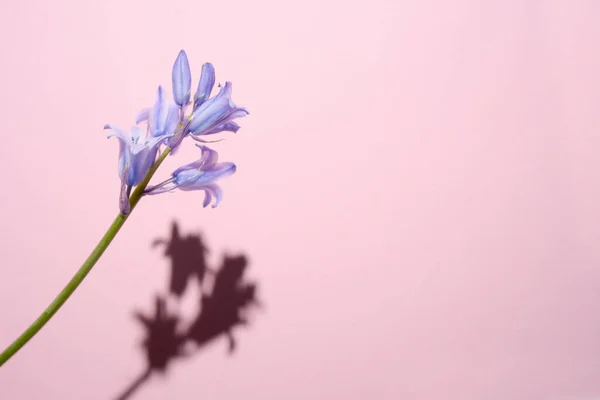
x=417, y=191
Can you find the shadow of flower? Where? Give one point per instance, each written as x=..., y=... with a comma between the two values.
x=221, y=310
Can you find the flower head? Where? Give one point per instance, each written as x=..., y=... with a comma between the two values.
x=136, y=156
x=199, y=175
x=168, y=123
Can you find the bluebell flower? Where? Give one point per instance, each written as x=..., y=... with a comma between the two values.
x=208, y=116
x=199, y=175
x=162, y=118
x=216, y=114
x=137, y=153
x=182, y=80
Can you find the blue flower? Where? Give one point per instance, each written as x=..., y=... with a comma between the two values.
x=199, y=175
x=136, y=156
x=216, y=114
x=162, y=118
x=182, y=80
x=208, y=116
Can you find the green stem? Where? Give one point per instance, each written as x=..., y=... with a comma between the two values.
x=85, y=268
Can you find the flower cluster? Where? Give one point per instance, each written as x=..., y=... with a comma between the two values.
x=168, y=123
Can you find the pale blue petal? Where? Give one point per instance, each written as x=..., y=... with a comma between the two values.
x=172, y=119
x=215, y=112
x=221, y=170
x=207, y=198
x=182, y=79
x=211, y=112
x=136, y=133
x=231, y=126
x=209, y=157
x=124, y=143
x=160, y=114
x=211, y=190
x=143, y=115
x=143, y=156
x=216, y=191
x=205, y=85
x=154, y=142
x=118, y=131
x=140, y=164
x=238, y=112
x=189, y=181
x=224, y=95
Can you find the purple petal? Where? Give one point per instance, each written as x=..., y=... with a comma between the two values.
x=231, y=126
x=118, y=131
x=159, y=112
x=143, y=156
x=216, y=191
x=212, y=110
x=124, y=143
x=209, y=157
x=172, y=119
x=210, y=190
x=149, y=144
x=207, y=198
x=238, y=112
x=215, y=112
x=143, y=115
x=164, y=115
x=206, y=84
x=136, y=133
x=182, y=79
x=140, y=164
x=221, y=170
x=196, y=180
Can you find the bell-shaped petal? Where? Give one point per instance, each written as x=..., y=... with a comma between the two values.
x=215, y=112
x=136, y=154
x=205, y=85
x=124, y=143
x=182, y=79
x=199, y=175
x=163, y=117
x=227, y=127
x=143, y=115
x=210, y=191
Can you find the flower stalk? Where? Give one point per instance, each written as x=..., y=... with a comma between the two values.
x=86, y=267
